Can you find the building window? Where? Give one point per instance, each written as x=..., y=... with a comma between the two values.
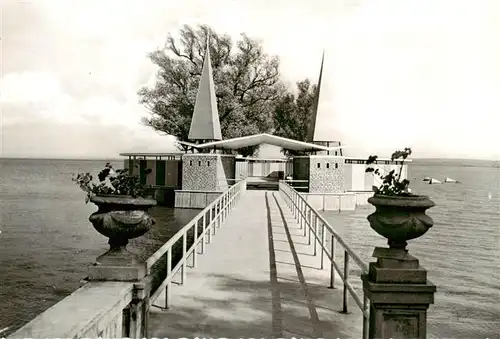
x=199, y=163
x=335, y=152
x=319, y=165
x=327, y=165
x=208, y=163
x=190, y=162
x=336, y=165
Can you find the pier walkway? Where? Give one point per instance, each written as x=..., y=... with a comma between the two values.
x=259, y=277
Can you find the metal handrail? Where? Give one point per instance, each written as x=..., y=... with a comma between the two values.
x=306, y=215
x=217, y=212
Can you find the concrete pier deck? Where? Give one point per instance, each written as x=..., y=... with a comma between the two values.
x=258, y=278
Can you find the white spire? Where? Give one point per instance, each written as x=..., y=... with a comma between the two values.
x=312, y=125
x=205, y=123
x=322, y=126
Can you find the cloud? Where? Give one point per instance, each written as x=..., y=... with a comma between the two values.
x=32, y=87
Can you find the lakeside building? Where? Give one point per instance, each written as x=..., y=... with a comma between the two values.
x=329, y=179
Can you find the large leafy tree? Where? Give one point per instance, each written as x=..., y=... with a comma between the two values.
x=246, y=80
x=293, y=113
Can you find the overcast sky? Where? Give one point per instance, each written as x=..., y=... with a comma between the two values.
x=424, y=74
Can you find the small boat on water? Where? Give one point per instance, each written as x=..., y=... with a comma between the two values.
x=434, y=181
x=450, y=180
x=427, y=179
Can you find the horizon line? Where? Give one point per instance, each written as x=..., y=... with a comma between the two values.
x=124, y=157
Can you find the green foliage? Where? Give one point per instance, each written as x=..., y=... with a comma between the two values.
x=111, y=182
x=391, y=183
x=246, y=81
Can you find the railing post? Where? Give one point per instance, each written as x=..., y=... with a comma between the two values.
x=346, y=281
x=228, y=204
x=218, y=212
x=216, y=222
x=295, y=205
x=225, y=207
x=322, y=249
x=222, y=209
x=184, y=250
x=169, y=272
x=300, y=213
x=306, y=213
x=315, y=235
x=203, y=240
x=209, y=230
x=195, y=243
x=309, y=219
x=332, y=267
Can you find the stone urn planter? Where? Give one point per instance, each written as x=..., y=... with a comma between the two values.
x=120, y=218
x=400, y=218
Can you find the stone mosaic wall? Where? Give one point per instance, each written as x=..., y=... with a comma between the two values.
x=199, y=172
x=326, y=174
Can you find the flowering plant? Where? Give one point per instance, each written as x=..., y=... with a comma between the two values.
x=111, y=182
x=391, y=182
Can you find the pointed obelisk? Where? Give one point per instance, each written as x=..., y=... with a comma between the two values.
x=205, y=124
x=312, y=124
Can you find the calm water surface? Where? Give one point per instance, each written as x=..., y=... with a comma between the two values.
x=47, y=243
x=461, y=251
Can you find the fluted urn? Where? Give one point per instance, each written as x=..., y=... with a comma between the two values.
x=400, y=218
x=121, y=218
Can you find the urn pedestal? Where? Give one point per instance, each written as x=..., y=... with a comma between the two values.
x=120, y=218
x=396, y=284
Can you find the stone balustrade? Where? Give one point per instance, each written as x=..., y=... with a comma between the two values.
x=97, y=309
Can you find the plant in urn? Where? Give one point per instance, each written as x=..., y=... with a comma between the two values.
x=399, y=215
x=121, y=215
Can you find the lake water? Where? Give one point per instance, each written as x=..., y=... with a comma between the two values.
x=47, y=241
x=461, y=251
